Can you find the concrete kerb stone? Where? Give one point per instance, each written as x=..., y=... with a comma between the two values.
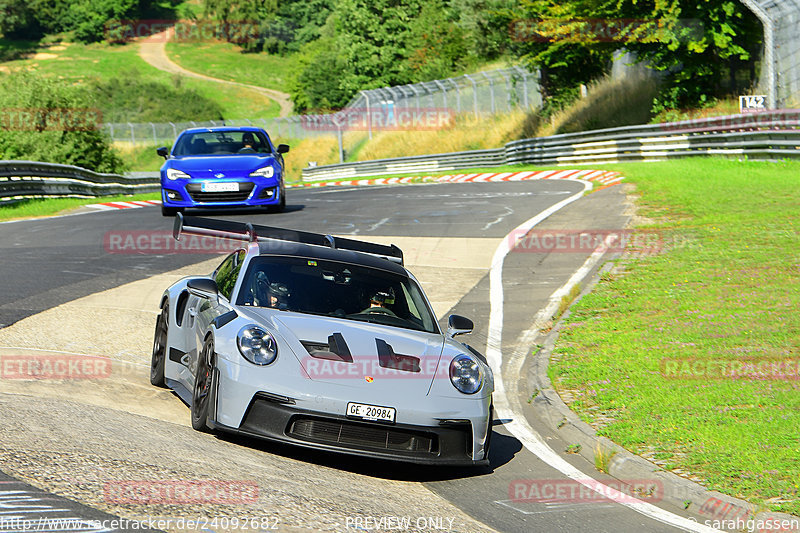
x=625, y=465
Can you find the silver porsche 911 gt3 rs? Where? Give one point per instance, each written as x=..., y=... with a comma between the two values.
x=321, y=342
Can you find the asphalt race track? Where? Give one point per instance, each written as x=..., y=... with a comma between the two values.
x=80, y=444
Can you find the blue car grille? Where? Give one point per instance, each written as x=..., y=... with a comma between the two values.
x=239, y=196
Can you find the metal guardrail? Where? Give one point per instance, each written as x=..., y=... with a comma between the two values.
x=30, y=179
x=770, y=136
x=403, y=165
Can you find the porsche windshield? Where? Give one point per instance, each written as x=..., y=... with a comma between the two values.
x=222, y=143
x=334, y=289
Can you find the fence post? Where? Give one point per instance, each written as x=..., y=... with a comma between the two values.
x=524, y=74
x=491, y=89
x=444, y=91
x=369, y=113
x=458, y=95
x=174, y=130
x=341, y=144
x=508, y=89
x=133, y=136
x=474, y=93
x=155, y=139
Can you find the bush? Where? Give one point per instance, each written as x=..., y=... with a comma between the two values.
x=608, y=104
x=127, y=98
x=45, y=120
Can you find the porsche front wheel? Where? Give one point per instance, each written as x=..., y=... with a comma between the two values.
x=203, y=385
x=160, y=348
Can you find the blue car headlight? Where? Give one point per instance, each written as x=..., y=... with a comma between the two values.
x=263, y=172
x=175, y=174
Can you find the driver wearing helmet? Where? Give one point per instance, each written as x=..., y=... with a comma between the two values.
x=379, y=301
x=275, y=295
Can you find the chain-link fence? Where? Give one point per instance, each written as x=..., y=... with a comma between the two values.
x=780, y=64
x=786, y=16
x=153, y=133
x=415, y=106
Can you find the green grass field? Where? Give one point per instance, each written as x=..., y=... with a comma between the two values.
x=724, y=289
x=55, y=206
x=76, y=62
x=225, y=61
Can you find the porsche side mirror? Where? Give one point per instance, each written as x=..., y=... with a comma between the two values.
x=283, y=148
x=458, y=325
x=203, y=287
x=163, y=151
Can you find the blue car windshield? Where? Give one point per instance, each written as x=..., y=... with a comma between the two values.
x=339, y=290
x=222, y=143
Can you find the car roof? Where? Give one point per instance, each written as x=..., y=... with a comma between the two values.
x=279, y=248
x=223, y=129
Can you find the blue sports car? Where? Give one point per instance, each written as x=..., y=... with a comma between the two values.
x=222, y=167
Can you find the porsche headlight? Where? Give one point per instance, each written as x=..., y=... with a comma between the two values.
x=263, y=172
x=466, y=374
x=175, y=174
x=257, y=345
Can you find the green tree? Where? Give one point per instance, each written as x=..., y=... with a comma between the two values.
x=438, y=45
x=485, y=24
x=551, y=37
x=699, y=46
x=87, y=19
x=373, y=36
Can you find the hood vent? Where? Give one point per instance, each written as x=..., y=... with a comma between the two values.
x=335, y=350
x=388, y=359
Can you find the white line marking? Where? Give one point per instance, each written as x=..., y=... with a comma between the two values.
x=505, y=408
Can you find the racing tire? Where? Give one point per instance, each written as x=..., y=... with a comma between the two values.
x=278, y=208
x=203, y=387
x=160, y=348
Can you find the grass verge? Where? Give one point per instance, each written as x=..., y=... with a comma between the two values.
x=75, y=62
x=724, y=290
x=56, y=206
x=226, y=61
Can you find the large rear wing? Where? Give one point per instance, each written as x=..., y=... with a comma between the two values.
x=245, y=231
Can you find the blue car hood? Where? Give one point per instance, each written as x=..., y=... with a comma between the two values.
x=235, y=164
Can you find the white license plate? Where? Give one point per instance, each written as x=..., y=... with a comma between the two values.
x=217, y=186
x=371, y=412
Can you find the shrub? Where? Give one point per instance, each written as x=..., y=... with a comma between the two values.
x=44, y=136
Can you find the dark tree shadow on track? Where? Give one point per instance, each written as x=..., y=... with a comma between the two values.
x=242, y=212
x=502, y=451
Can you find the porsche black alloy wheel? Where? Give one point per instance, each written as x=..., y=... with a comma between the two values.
x=160, y=348
x=203, y=383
